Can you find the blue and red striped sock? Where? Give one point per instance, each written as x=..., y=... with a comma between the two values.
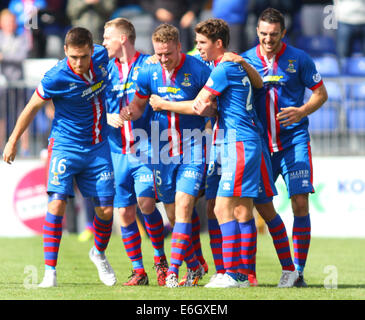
x=131, y=238
x=215, y=235
x=181, y=236
x=195, y=236
x=230, y=247
x=102, y=232
x=248, y=250
x=155, y=230
x=281, y=242
x=301, y=240
x=52, y=234
x=190, y=258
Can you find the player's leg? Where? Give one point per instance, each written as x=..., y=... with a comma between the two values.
x=296, y=163
x=301, y=234
x=181, y=234
x=145, y=192
x=224, y=211
x=59, y=187
x=276, y=226
x=96, y=180
x=248, y=243
x=155, y=230
x=52, y=234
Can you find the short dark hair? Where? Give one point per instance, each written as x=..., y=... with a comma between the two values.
x=214, y=29
x=78, y=37
x=271, y=15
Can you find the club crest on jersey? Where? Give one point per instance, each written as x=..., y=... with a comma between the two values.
x=186, y=82
x=135, y=73
x=103, y=70
x=291, y=68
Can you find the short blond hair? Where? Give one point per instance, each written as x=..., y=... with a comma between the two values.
x=124, y=26
x=165, y=33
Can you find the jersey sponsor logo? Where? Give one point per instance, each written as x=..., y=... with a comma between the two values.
x=193, y=174
x=168, y=90
x=122, y=86
x=73, y=86
x=146, y=178
x=93, y=88
x=227, y=176
x=291, y=68
x=317, y=77
x=299, y=174
x=272, y=79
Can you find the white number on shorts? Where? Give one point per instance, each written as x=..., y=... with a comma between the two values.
x=157, y=177
x=61, y=166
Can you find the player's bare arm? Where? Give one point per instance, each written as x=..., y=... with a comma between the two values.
x=25, y=118
x=290, y=115
x=252, y=73
x=157, y=103
x=203, y=101
x=134, y=110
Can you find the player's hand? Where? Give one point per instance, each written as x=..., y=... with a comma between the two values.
x=125, y=114
x=9, y=152
x=156, y=102
x=114, y=120
x=289, y=115
x=152, y=60
x=204, y=108
x=232, y=57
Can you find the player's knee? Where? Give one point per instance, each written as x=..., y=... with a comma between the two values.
x=104, y=212
x=57, y=207
x=146, y=205
x=300, y=204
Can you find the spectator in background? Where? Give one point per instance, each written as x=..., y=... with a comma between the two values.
x=13, y=47
x=235, y=13
x=350, y=16
x=91, y=14
x=180, y=13
x=13, y=50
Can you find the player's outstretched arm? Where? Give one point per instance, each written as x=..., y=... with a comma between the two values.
x=290, y=115
x=183, y=107
x=25, y=118
x=134, y=110
x=252, y=73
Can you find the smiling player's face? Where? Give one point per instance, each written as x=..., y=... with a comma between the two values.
x=79, y=58
x=168, y=54
x=270, y=36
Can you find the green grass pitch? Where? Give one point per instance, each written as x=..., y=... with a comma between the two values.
x=334, y=271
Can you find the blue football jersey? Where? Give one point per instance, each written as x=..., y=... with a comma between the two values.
x=122, y=87
x=230, y=83
x=187, y=79
x=285, y=78
x=79, y=101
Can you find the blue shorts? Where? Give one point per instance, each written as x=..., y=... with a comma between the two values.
x=133, y=179
x=90, y=166
x=234, y=170
x=267, y=189
x=295, y=166
x=171, y=178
